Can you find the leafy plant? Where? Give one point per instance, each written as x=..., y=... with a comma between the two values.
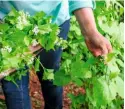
x=18, y=32
x=101, y=77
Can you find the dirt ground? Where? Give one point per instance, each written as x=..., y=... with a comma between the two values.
x=36, y=94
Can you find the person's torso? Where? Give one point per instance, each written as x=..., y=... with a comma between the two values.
x=56, y=8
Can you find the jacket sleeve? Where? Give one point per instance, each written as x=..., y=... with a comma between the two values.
x=77, y=4
x=4, y=8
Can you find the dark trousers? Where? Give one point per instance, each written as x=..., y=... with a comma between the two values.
x=18, y=97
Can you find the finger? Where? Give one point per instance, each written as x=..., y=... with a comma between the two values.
x=109, y=47
x=97, y=53
x=104, y=50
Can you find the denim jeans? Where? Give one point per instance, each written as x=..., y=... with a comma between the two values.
x=18, y=97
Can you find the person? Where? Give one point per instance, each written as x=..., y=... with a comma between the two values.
x=18, y=97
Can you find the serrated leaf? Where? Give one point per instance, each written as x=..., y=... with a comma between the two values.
x=26, y=41
x=45, y=29
x=90, y=97
x=120, y=62
x=17, y=37
x=113, y=67
x=13, y=12
x=5, y=53
x=103, y=92
x=77, y=69
x=120, y=86
x=48, y=74
x=4, y=27
x=14, y=61
x=60, y=79
x=91, y=61
x=112, y=90
x=78, y=82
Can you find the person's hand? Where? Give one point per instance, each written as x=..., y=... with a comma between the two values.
x=35, y=48
x=98, y=45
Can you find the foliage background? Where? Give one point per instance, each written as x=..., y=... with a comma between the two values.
x=102, y=78
x=103, y=83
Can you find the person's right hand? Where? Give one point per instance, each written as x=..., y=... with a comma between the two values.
x=98, y=45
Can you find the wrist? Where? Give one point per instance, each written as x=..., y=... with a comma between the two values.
x=91, y=34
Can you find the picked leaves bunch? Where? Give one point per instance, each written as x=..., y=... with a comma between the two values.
x=18, y=31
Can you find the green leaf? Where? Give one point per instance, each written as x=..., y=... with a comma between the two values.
x=90, y=97
x=91, y=61
x=87, y=74
x=39, y=15
x=17, y=37
x=76, y=29
x=103, y=92
x=48, y=74
x=26, y=41
x=110, y=56
x=8, y=78
x=43, y=40
x=60, y=79
x=37, y=64
x=77, y=68
x=5, y=53
x=113, y=67
x=14, y=61
x=113, y=75
x=13, y=12
x=65, y=55
x=120, y=62
x=0, y=39
x=120, y=86
x=112, y=90
x=78, y=82
x=45, y=29
x=4, y=27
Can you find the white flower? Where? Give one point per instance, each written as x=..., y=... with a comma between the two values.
x=36, y=30
x=34, y=42
x=19, y=18
x=30, y=60
x=61, y=42
x=57, y=32
x=22, y=20
x=56, y=41
x=7, y=48
x=3, y=49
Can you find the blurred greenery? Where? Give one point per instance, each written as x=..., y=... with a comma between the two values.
x=104, y=83
x=2, y=104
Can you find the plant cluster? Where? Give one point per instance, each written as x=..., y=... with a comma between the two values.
x=102, y=77
x=18, y=33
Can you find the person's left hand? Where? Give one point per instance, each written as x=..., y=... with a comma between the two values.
x=35, y=48
x=98, y=45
